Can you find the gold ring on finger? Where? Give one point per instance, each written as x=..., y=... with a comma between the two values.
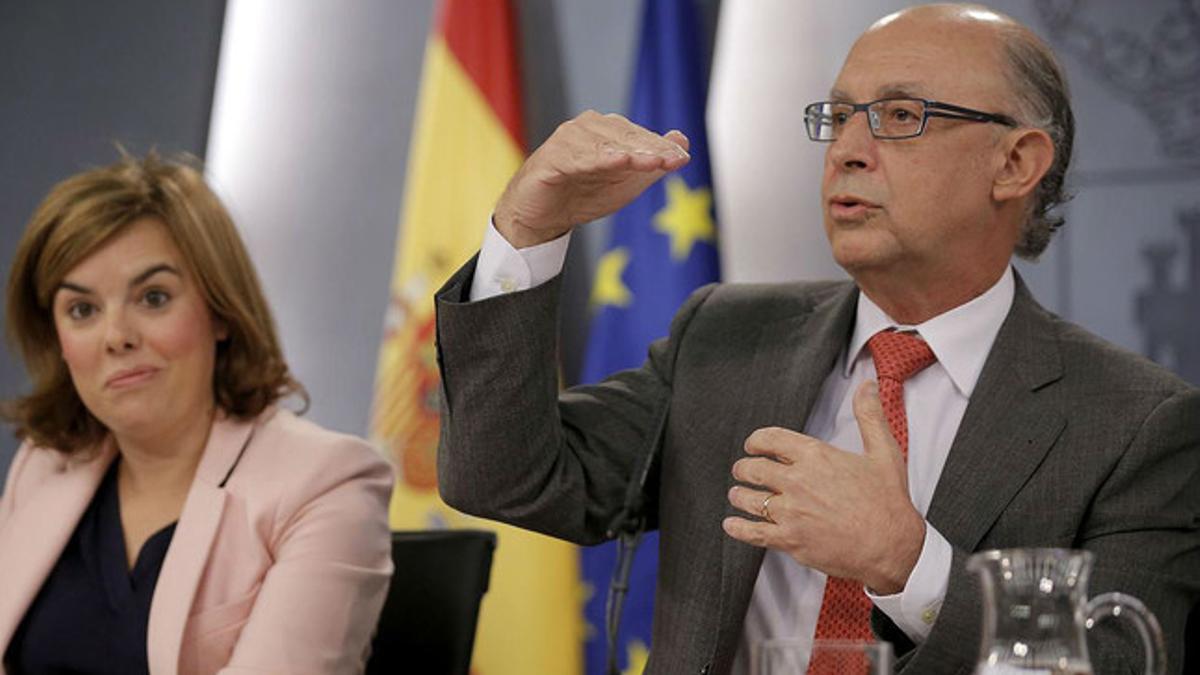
x=765, y=509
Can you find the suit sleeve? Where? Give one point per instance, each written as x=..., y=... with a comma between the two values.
x=512, y=448
x=320, y=600
x=1143, y=526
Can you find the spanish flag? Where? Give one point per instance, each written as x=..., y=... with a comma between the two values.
x=467, y=142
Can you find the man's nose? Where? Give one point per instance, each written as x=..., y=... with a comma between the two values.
x=120, y=334
x=854, y=149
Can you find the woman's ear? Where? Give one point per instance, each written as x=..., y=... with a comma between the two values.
x=220, y=329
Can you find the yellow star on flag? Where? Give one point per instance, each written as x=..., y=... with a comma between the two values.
x=686, y=218
x=638, y=656
x=608, y=289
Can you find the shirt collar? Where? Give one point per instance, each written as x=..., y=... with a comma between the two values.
x=960, y=338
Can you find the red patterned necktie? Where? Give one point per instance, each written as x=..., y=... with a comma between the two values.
x=845, y=609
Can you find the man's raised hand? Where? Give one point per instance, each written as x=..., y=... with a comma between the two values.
x=590, y=167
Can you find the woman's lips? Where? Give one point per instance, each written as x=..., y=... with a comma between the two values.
x=130, y=378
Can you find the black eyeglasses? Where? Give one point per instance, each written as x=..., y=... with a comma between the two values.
x=889, y=118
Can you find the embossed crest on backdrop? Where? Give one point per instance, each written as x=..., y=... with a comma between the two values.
x=1149, y=61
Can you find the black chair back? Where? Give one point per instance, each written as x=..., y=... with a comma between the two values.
x=1191, y=642
x=429, y=618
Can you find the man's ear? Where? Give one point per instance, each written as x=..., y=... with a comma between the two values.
x=1029, y=154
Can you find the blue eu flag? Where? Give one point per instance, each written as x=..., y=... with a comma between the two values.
x=663, y=247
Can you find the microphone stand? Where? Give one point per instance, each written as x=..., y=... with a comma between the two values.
x=627, y=543
x=627, y=527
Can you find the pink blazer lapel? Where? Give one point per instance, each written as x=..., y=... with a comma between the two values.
x=34, y=539
x=187, y=556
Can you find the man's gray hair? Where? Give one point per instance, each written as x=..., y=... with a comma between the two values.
x=1043, y=102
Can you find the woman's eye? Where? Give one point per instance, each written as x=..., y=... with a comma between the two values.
x=156, y=298
x=80, y=310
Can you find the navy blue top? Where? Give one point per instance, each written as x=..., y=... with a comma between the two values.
x=91, y=614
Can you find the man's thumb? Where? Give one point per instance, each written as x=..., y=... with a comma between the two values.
x=872, y=422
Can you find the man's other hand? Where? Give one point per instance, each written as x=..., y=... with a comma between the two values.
x=590, y=167
x=847, y=515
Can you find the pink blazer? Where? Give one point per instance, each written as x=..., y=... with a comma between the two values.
x=279, y=563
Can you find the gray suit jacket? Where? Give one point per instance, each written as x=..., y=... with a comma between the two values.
x=1067, y=442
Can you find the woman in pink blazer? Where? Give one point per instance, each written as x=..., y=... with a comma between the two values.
x=163, y=514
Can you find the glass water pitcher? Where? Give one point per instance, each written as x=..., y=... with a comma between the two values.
x=1036, y=613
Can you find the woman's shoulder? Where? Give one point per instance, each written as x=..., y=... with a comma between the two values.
x=302, y=440
x=34, y=467
x=31, y=465
x=37, y=463
x=31, y=459
x=294, y=452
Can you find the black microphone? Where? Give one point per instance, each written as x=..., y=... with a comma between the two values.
x=627, y=527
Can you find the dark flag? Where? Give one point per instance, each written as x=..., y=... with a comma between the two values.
x=663, y=247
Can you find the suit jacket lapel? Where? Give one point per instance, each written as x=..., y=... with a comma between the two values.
x=39, y=531
x=793, y=356
x=187, y=556
x=1005, y=431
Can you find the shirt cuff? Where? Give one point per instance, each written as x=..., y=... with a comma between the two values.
x=916, y=608
x=504, y=269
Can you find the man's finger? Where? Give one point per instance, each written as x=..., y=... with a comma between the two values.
x=872, y=421
x=750, y=500
x=614, y=164
x=759, y=471
x=676, y=136
x=755, y=533
x=777, y=442
x=676, y=160
x=606, y=154
x=621, y=131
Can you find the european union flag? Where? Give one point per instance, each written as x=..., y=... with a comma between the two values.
x=663, y=247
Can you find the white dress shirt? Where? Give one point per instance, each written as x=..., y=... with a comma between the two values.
x=787, y=596
x=504, y=269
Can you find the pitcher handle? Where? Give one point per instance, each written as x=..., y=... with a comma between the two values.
x=1119, y=605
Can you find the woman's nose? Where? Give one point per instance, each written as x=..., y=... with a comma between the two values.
x=120, y=334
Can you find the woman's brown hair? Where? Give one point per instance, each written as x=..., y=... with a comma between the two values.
x=78, y=216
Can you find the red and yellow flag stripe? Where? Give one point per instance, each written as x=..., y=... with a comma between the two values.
x=467, y=142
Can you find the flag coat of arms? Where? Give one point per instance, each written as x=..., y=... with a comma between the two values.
x=467, y=141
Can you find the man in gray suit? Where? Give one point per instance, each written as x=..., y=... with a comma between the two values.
x=794, y=495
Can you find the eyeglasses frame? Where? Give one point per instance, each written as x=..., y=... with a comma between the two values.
x=932, y=109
